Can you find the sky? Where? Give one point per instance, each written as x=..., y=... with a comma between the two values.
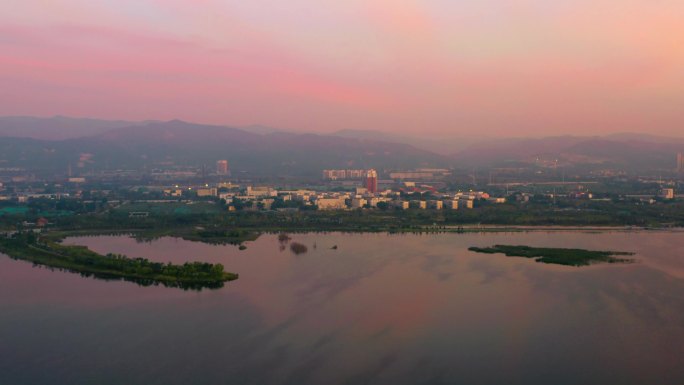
x=410, y=67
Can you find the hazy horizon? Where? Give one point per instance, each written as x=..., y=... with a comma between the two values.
x=495, y=68
x=472, y=138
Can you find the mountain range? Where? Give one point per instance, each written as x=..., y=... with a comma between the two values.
x=148, y=144
x=51, y=144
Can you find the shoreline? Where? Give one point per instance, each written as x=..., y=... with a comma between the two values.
x=57, y=234
x=79, y=259
x=568, y=228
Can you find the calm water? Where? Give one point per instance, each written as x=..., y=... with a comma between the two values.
x=382, y=309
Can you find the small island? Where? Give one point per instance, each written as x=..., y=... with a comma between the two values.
x=558, y=256
x=79, y=259
x=298, y=248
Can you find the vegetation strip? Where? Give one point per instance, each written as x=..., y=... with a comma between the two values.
x=79, y=259
x=558, y=256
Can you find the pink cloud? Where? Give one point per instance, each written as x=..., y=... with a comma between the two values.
x=122, y=65
x=518, y=67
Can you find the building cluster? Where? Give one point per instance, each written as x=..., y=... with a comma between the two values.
x=343, y=174
x=345, y=189
x=367, y=194
x=420, y=174
x=268, y=198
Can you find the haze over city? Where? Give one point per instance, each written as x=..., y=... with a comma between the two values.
x=448, y=68
x=319, y=192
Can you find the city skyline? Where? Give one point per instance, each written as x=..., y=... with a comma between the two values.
x=446, y=68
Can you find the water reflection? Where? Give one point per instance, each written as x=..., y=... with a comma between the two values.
x=399, y=309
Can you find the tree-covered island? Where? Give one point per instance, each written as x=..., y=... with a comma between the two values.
x=30, y=247
x=558, y=256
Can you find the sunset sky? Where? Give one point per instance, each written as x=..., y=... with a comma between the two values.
x=448, y=67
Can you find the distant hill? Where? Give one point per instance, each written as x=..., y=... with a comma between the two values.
x=259, y=129
x=57, y=127
x=444, y=145
x=50, y=144
x=272, y=153
x=634, y=152
x=370, y=135
x=635, y=136
x=183, y=143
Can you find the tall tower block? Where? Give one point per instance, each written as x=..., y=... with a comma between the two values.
x=222, y=167
x=371, y=181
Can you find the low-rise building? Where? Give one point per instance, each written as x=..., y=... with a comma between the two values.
x=176, y=192
x=331, y=203
x=207, y=192
x=411, y=175
x=357, y=203
x=373, y=202
x=667, y=193
x=496, y=200
x=343, y=174
x=227, y=196
x=267, y=203
x=227, y=185
x=261, y=191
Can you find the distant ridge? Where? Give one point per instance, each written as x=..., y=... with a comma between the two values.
x=636, y=152
x=183, y=143
x=261, y=130
x=57, y=127
x=434, y=143
x=54, y=143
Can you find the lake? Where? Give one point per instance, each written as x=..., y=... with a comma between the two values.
x=380, y=309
